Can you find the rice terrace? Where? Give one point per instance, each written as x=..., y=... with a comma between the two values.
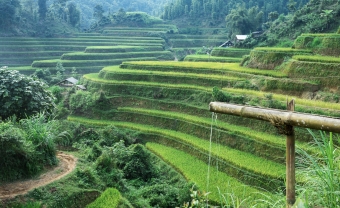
x=169, y=103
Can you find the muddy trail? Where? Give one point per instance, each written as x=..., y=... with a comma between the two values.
x=67, y=164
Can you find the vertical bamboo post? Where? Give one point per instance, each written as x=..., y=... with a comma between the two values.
x=290, y=160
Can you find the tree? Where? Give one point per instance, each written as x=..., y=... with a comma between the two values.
x=328, y=15
x=291, y=5
x=273, y=16
x=73, y=14
x=42, y=9
x=22, y=96
x=98, y=12
x=7, y=12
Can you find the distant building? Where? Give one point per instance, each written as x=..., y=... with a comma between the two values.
x=241, y=37
x=70, y=82
x=227, y=44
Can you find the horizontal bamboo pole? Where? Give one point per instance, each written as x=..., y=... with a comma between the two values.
x=279, y=117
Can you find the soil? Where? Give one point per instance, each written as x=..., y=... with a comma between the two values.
x=67, y=164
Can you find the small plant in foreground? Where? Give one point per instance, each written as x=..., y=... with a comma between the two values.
x=322, y=173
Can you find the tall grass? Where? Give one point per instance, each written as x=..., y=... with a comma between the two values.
x=322, y=172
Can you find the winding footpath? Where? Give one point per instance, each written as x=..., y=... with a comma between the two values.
x=67, y=164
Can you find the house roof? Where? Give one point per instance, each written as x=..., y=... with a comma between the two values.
x=72, y=80
x=241, y=37
x=226, y=43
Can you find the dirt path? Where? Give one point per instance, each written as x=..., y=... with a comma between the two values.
x=67, y=163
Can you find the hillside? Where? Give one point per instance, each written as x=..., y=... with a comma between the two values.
x=314, y=17
x=141, y=128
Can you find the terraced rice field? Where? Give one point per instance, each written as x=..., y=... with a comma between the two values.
x=87, y=52
x=167, y=102
x=115, y=45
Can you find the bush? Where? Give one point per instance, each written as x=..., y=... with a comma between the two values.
x=25, y=149
x=220, y=95
x=138, y=165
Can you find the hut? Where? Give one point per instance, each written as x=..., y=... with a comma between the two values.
x=70, y=82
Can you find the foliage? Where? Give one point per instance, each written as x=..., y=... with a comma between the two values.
x=234, y=157
x=57, y=93
x=22, y=96
x=321, y=172
x=87, y=10
x=42, y=9
x=242, y=21
x=26, y=147
x=8, y=9
x=313, y=17
x=137, y=165
x=109, y=198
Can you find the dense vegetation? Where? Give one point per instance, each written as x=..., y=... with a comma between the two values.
x=93, y=10
x=141, y=131
x=317, y=16
x=22, y=96
x=26, y=147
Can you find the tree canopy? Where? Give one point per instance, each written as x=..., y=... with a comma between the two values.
x=22, y=96
x=8, y=10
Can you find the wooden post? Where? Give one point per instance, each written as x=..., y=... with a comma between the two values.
x=285, y=119
x=290, y=160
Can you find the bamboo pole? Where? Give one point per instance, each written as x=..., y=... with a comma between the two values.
x=290, y=160
x=279, y=117
x=285, y=121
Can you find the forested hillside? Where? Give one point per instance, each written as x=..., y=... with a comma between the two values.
x=317, y=16
x=219, y=9
x=87, y=7
x=48, y=17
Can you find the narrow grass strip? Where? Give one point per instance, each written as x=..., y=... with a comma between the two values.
x=118, y=70
x=243, y=160
x=277, y=49
x=321, y=59
x=79, y=63
x=283, y=98
x=94, y=77
x=209, y=65
x=118, y=55
x=109, y=198
x=195, y=170
x=209, y=58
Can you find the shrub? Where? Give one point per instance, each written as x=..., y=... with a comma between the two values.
x=22, y=96
x=221, y=96
x=138, y=165
x=25, y=149
x=322, y=173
